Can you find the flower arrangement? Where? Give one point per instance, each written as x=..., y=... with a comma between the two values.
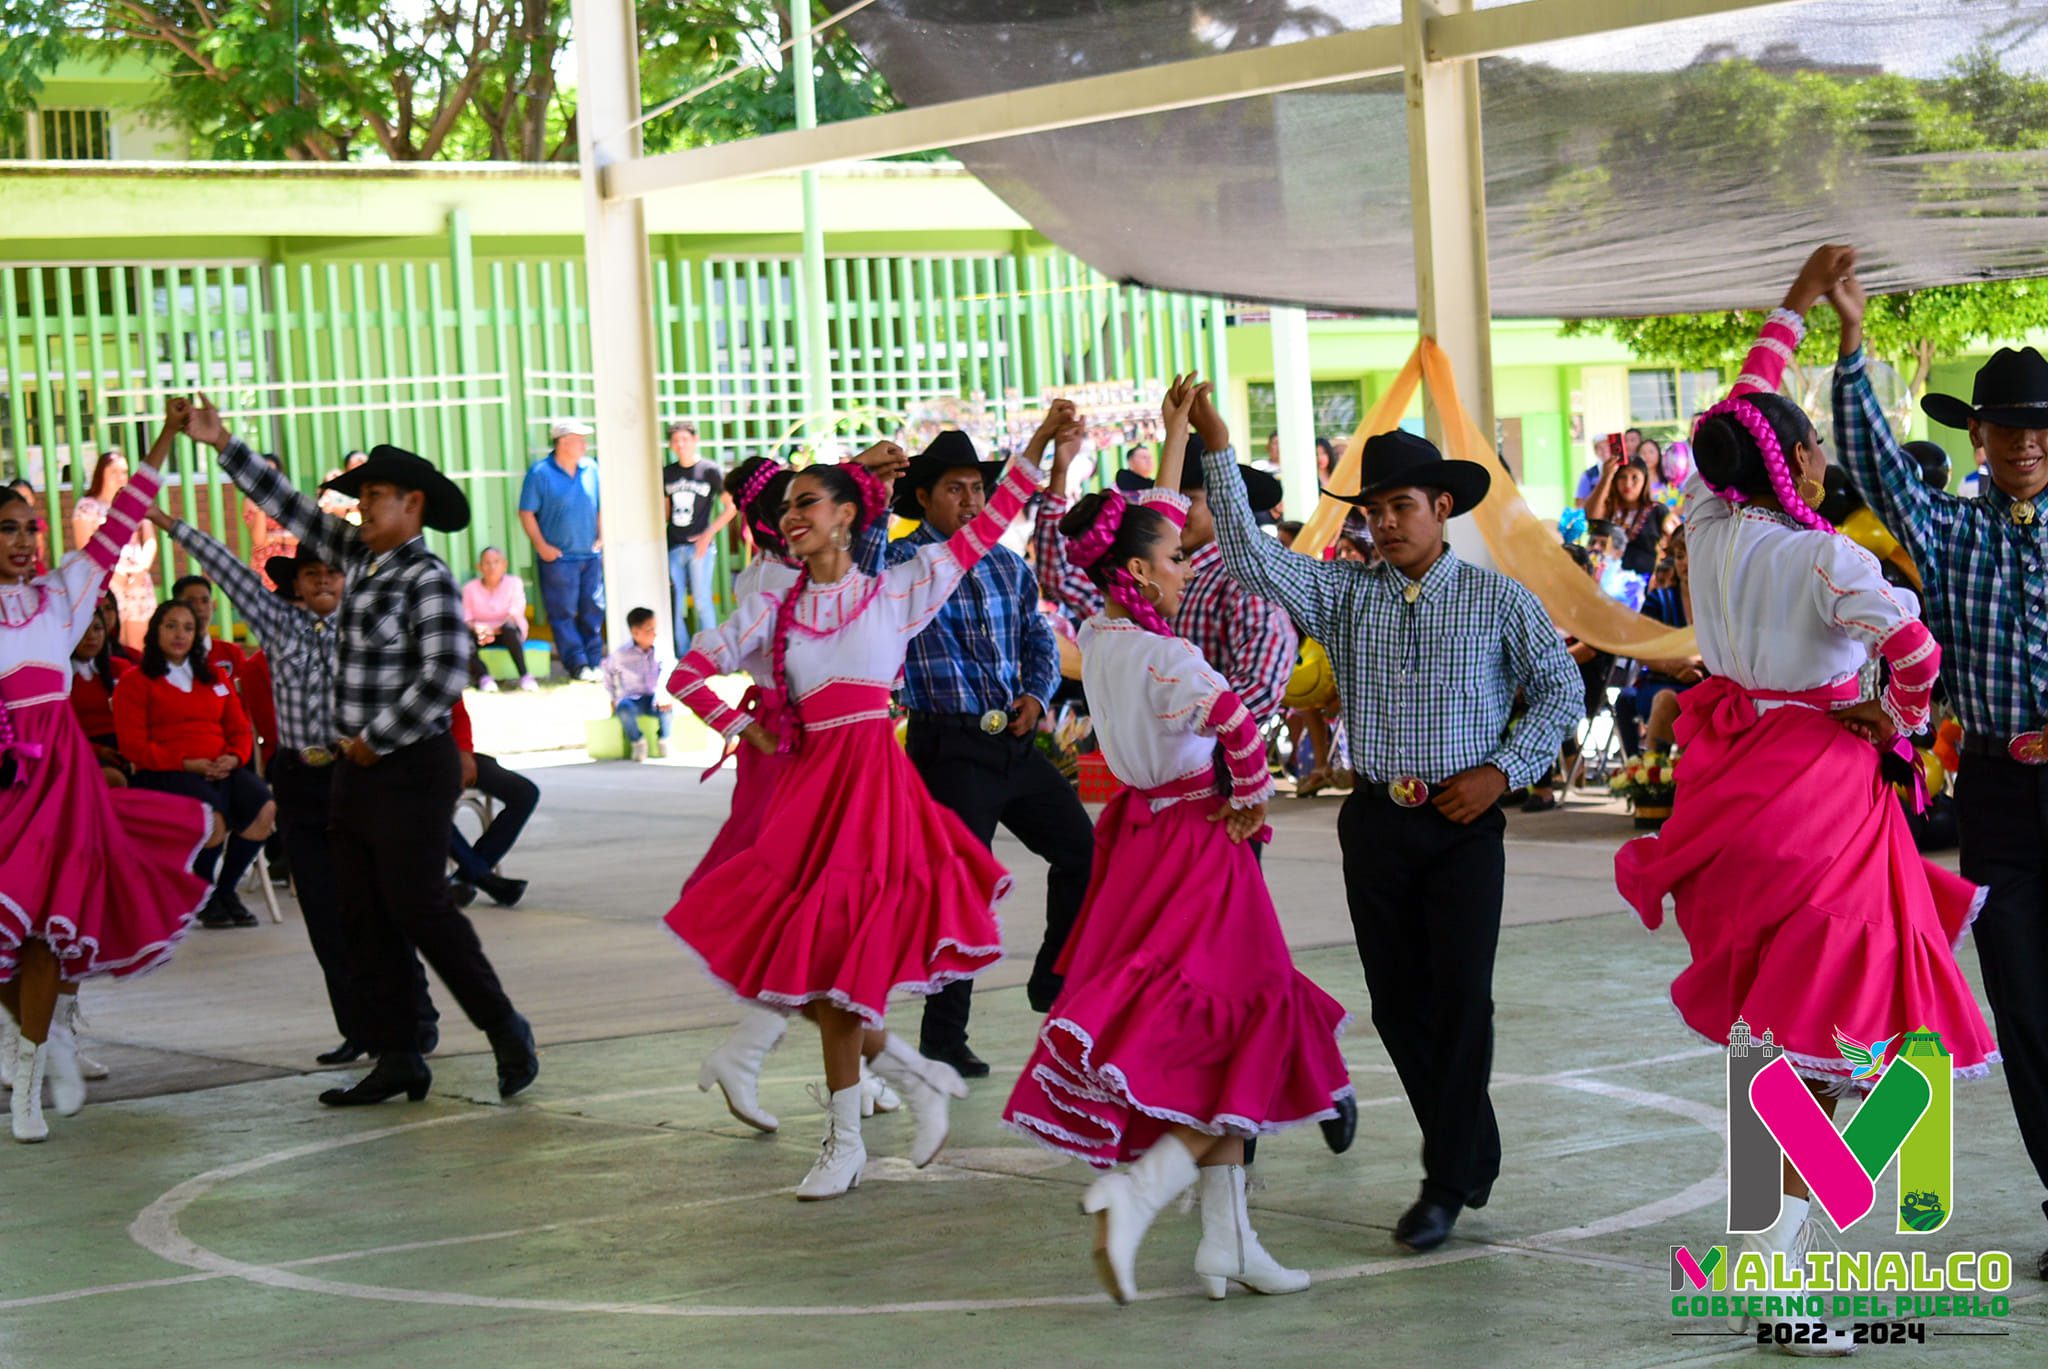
x=1063, y=738
x=1650, y=783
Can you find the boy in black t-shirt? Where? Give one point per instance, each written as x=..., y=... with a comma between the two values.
x=698, y=507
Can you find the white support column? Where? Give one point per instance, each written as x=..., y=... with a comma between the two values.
x=1294, y=408
x=621, y=294
x=1447, y=188
x=815, y=347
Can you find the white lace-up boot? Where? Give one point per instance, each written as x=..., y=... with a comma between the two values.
x=29, y=1061
x=67, y=1085
x=9, y=1034
x=73, y=1017
x=841, y=1156
x=1230, y=1249
x=735, y=1066
x=1124, y=1204
x=875, y=1093
x=927, y=1087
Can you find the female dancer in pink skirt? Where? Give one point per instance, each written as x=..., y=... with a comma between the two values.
x=1797, y=885
x=760, y=487
x=93, y=881
x=1183, y=1026
x=857, y=885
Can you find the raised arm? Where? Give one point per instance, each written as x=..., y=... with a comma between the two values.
x=1175, y=411
x=433, y=611
x=929, y=578
x=271, y=617
x=1888, y=479
x=78, y=580
x=1550, y=683
x=321, y=534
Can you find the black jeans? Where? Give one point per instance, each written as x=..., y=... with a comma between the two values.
x=508, y=638
x=517, y=796
x=304, y=793
x=2002, y=808
x=1425, y=896
x=389, y=838
x=1001, y=780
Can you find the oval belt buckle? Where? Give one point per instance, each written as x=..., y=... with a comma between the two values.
x=2029, y=748
x=1408, y=792
x=994, y=721
x=316, y=756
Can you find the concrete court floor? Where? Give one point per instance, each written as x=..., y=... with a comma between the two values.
x=204, y=1211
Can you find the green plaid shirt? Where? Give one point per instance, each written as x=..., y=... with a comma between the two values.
x=1985, y=593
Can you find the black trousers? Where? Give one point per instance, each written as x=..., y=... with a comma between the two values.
x=304, y=804
x=389, y=840
x=517, y=796
x=1005, y=781
x=1425, y=896
x=2002, y=807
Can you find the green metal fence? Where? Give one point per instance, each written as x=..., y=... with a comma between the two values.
x=467, y=360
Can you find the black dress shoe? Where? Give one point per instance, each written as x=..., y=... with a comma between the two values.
x=504, y=892
x=396, y=1072
x=215, y=918
x=1426, y=1225
x=1341, y=1130
x=1251, y=1149
x=430, y=1037
x=347, y=1053
x=518, y=1057
x=462, y=891
x=969, y=1065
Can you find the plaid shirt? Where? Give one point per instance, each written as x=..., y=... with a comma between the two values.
x=1068, y=587
x=989, y=646
x=633, y=671
x=1427, y=686
x=1247, y=639
x=404, y=651
x=1984, y=595
x=299, y=646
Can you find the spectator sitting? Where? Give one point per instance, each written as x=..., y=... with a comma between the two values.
x=476, y=867
x=1623, y=499
x=196, y=593
x=560, y=509
x=110, y=623
x=94, y=672
x=1672, y=606
x=183, y=729
x=494, y=606
x=633, y=675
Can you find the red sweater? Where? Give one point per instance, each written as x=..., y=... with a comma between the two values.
x=92, y=701
x=253, y=679
x=161, y=726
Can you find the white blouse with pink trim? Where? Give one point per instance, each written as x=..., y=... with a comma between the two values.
x=1159, y=710
x=849, y=639
x=48, y=615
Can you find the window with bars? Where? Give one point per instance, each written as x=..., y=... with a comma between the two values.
x=1670, y=396
x=77, y=135
x=14, y=137
x=1335, y=402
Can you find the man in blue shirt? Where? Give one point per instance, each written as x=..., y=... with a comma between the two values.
x=558, y=507
x=976, y=683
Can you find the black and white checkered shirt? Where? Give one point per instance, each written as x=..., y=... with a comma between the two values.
x=299, y=646
x=404, y=652
x=1426, y=683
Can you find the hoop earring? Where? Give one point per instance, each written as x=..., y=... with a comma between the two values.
x=1812, y=491
x=841, y=539
x=1153, y=594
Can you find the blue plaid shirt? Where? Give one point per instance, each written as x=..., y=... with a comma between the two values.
x=989, y=646
x=1984, y=595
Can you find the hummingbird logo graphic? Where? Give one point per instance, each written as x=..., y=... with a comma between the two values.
x=1865, y=1062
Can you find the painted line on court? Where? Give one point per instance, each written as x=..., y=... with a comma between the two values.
x=157, y=1227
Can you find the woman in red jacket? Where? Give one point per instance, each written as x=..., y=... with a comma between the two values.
x=95, y=670
x=183, y=729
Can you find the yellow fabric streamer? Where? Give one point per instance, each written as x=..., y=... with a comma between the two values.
x=1524, y=547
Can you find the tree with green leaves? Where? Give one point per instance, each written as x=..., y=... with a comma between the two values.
x=1800, y=126
x=434, y=79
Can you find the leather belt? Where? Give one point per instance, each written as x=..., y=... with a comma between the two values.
x=990, y=724
x=2026, y=749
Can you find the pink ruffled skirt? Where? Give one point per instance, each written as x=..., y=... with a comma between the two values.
x=1181, y=1004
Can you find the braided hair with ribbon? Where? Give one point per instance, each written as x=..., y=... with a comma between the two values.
x=1104, y=532
x=1740, y=447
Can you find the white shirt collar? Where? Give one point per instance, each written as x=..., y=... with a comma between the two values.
x=180, y=675
x=86, y=669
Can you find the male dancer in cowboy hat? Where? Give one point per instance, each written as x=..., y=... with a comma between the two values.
x=299, y=625
x=1983, y=563
x=1430, y=652
x=976, y=683
x=400, y=664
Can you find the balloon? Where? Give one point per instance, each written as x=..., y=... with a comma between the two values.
x=1863, y=528
x=1312, y=684
x=1934, y=772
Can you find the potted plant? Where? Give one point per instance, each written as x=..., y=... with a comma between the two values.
x=1650, y=783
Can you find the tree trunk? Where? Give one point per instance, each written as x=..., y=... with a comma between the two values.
x=1923, y=368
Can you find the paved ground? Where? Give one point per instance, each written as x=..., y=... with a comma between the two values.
x=204, y=1211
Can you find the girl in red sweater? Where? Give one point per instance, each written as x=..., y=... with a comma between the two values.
x=95, y=670
x=183, y=729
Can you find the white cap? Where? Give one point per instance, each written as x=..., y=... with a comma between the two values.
x=568, y=427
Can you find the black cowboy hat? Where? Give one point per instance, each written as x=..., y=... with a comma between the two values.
x=447, y=509
x=2011, y=390
x=284, y=571
x=1261, y=488
x=1397, y=459
x=950, y=450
